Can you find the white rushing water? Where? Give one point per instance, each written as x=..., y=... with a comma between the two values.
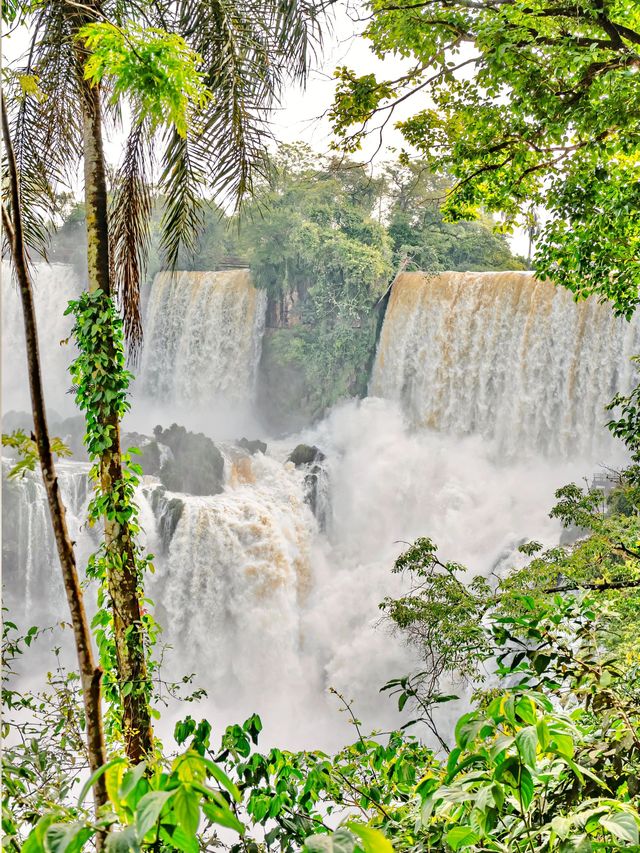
x=505, y=356
x=54, y=286
x=267, y=608
x=30, y=570
x=203, y=337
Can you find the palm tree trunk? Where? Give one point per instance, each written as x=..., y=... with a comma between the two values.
x=123, y=584
x=90, y=674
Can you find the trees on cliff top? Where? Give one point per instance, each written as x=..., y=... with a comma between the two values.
x=526, y=103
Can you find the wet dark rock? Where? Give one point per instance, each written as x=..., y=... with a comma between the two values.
x=197, y=466
x=150, y=457
x=253, y=446
x=316, y=481
x=305, y=454
x=168, y=512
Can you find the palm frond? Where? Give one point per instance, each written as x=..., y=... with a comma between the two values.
x=45, y=121
x=129, y=229
x=250, y=49
x=183, y=176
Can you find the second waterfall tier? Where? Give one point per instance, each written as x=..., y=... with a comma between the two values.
x=506, y=356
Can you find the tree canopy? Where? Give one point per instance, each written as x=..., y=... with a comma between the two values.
x=527, y=105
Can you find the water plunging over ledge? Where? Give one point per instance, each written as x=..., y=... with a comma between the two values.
x=504, y=356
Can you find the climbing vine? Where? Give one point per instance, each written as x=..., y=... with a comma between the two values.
x=101, y=384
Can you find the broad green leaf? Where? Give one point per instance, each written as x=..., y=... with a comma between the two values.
x=467, y=729
x=189, y=767
x=526, y=788
x=35, y=840
x=125, y=841
x=180, y=840
x=222, y=816
x=149, y=809
x=561, y=826
x=461, y=836
x=340, y=841
x=186, y=806
x=130, y=780
x=564, y=745
x=319, y=844
x=66, y=837
x=527, y=743
x=526, y=709
x=220, y=776
x=373, y=841
x=88, y=785
x=623, y=825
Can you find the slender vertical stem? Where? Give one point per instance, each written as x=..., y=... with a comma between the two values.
x=90, y=673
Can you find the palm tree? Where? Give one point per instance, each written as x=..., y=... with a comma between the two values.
x=248, y=50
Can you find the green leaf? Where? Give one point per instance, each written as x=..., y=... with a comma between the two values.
x=373, y=841
x=180, y=840
x=66, y=837
x=149, y=809
x=340, y=841
x=527, y=743
x=88, y=785
x=186, y=806
x=561, y=826
x=220, y=776
x=222, y=816
x=34, y=842
x=320, y=844
x=467, y=729
x=564, y=745
x=526, y=788
x=125, y=841
x=623, y=825
x=130, y=780
x=461, y=836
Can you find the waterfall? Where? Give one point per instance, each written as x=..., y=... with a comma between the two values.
x=31, y=572
x=203, y=335
x=269, y=604
x=54, y=285
x=236, y=576
x=505, y=356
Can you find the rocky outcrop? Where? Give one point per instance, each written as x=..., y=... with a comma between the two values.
x=316, y=481
x=168, y=512
x=305, y=454
x=196, y=465
x=252, y=446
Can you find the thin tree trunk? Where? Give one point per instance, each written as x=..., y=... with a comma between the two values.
x=122, y=584
x=90, y=674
